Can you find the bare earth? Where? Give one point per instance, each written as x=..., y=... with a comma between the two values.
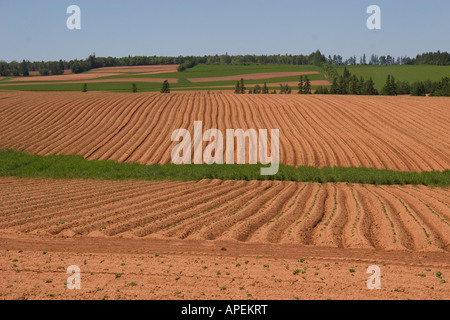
x=94, y=80
x=98, y=73
x=222, y=240
x=398, y=133
x=217, y=239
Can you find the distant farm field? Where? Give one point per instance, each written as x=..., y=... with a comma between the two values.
x=150, y=78
x=396, y=133
x=214, y=77
x=401, y=73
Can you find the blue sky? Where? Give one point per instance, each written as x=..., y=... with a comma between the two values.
x=36, y=29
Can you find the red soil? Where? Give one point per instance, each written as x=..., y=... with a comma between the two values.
x=177, y=240
x=397, y=133
x=65, y=77
x=362, y=216
x=101, y=72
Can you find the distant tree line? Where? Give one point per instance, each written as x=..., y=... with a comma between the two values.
x=316, y=58
x=24, y=68
x=430, y=58
x=346, y=83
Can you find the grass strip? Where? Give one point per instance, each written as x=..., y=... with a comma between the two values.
x=24, y=165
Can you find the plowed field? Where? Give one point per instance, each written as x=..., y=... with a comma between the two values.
x=222, y=240
x=339, y=215
x=397, y=133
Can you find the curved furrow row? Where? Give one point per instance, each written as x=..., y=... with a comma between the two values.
x=155, y=107
x=138, y=131
x=137, y=213
x=346, y=137
x=303, y=231
x=438, y=227
x=268, y=231
x=101, y=212
x=383, y=230
x=65, y=208
x=205, y=219
x=111, y=148
x=88, y=217
x=433, y=192
x=434, y=157
x=401, y=139
x=343, y=152
x=437, y=207
x=330, y=215
x=175, y=217
x=158, y=149
x=327, y=141
x=110, y=125
x=63, y=134
x=303, y=146
x=245, y=228
x=419, y=235
x=266, y=120
x=25, y=112
x=145, y=217
x=315, y=154
x=276, y=120
x=33, y=129
x=53, y=199
x=366, y=139
x=58, y=121
x=88, y=129
x=291, y=229
x=182, y=225
x=381, y=132
x=222, y=224
x=428, y=127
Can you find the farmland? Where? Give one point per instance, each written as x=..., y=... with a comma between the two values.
x=150, y=78
x=86, y=180
x=401, y=73
x=21, y=164
x=214, y=77
x=217, y=239
x=404, y=134
x=337, y=215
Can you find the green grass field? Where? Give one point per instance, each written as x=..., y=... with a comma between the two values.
x=402, y=73
x=23, y=165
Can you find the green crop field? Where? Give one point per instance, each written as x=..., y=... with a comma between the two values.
x=23, y=165
x=400, y=72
